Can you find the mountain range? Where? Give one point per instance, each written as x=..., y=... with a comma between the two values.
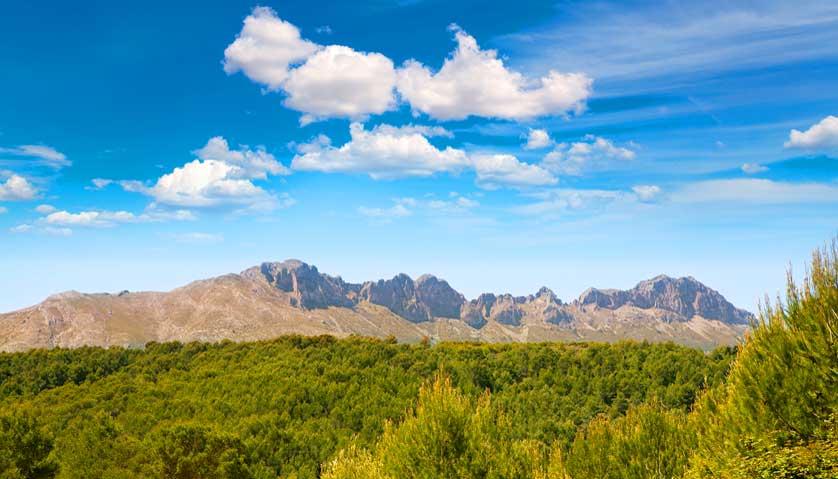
x=293, y=297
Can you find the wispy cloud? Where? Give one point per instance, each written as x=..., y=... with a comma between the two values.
x=42, y=154
x=753, y=168
x=755, y=191
x=624, y=42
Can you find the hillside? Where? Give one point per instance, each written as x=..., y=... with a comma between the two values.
x=292, y=297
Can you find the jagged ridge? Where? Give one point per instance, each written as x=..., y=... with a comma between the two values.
x=429, y=297
x=293, y=297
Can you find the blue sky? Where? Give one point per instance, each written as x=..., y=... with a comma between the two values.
x=567, y=144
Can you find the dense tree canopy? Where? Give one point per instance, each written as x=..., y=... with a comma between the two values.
x=284, y=407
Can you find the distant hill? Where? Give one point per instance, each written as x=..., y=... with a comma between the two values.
x=273, y=299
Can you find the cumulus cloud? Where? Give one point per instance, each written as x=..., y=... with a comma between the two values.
x=43, y=154
x=17, y=188
x=753, y=168
x=340, y=82
x=218, y=177
x=249, y=163
x=646, y=192
x=752, y=190
x=384, y=152
x=326, y=81
x=475, y=82
x=502, y=169
x=387, y=152
x=823, y=135
x=538, y=139
x=319, y=81
x=266, y=47
x=574, y=158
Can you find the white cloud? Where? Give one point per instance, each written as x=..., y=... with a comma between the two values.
x=538, y=139
x=88, y=218
x=201, y=184
x=404, y=207
x=752, y=190
x=3, y=210
x=340, y=82
x=387, y=214
x=99, y=184
x=266, y=47
x=646, y=192
x=458, y=205
x=47, y=230
x=319, y=81
x=383, y=152
x=424, y=130
x=753, y=168
x=250, y=163
x=475, y=82
x=556, y=201
x=573, y=159
x=17, y=188
x=106, y=219
x=501, y=169
x=46, y=155
x=220, y=176
x=387, y=152
x=822, y=135
x=45, y=209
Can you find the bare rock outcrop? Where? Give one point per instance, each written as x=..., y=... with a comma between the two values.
x=686, y=297
x=311, y=289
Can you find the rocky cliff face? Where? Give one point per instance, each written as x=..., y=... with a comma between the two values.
x=429, y=297
x=310, y=288
x=685, y=297
x=294, y=297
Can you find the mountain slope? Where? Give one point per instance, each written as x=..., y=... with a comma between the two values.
x=272, y=299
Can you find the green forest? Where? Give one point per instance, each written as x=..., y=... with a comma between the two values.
x=305, y=407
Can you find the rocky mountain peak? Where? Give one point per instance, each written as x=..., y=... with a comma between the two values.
x=310, y=288
x=685, y=296
x=294, y=297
